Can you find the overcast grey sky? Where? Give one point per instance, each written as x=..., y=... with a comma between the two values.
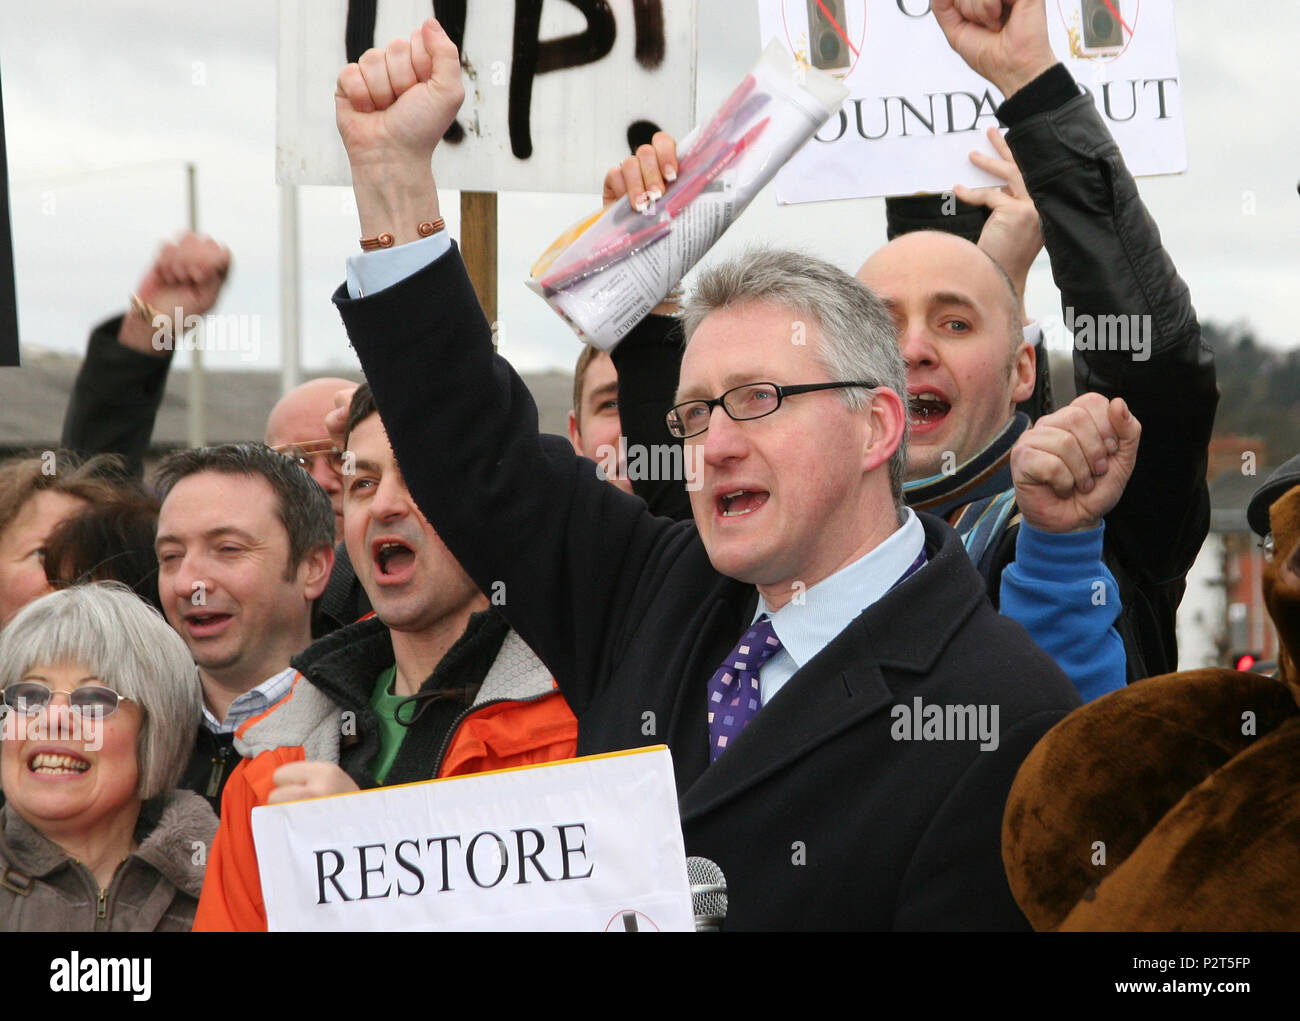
x=104, y=102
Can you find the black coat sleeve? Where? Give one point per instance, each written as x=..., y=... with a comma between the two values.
x=1108, y=261
x=559, y=549
x=648, y=361
x=115, y=399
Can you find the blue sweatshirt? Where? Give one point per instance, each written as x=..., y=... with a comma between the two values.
x=1059, y=591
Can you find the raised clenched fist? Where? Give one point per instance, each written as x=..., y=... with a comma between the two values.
x=1070, y=468
x=186, y=274
x=1005, y=42
x=394, y=104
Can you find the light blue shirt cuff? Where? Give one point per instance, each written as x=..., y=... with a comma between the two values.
x=371, y=272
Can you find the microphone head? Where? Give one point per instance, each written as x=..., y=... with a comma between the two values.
x=708, y=893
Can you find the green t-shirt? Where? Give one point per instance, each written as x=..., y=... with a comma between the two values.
x=384, y=703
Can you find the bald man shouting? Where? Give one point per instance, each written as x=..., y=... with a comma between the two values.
x=1138, y=357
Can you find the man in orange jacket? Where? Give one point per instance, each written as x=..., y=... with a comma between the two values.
x=434, y=684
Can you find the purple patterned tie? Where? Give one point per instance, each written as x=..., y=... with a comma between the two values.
x=734, y=694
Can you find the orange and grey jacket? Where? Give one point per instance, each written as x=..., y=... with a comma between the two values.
x=518, y=717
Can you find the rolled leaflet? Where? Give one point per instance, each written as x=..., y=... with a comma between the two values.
x=606, y=273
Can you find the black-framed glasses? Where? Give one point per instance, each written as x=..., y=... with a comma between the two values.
x=306, y=453
x=30, y=697
x=742, y=403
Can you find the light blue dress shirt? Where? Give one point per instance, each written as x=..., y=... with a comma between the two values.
x=251, y=703
x=808, y=622
x=371, y=272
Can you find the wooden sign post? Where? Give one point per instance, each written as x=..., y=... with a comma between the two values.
x=478, y=246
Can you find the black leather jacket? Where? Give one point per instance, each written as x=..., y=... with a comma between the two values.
x=1107, y=260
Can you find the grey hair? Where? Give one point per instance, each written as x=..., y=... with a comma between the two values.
x=119, y=638
x=859, y=340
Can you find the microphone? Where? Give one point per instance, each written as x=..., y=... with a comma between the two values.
x=708, y=893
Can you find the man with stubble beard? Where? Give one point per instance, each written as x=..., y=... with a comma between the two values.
x=433, y=684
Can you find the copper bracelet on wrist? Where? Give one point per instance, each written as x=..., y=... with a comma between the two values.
x=385, y=240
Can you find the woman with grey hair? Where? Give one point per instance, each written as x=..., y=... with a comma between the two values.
x=100, y=700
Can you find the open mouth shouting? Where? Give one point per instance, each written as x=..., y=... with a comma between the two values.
x=926, y=410
x=739, y=502
x=394, y=561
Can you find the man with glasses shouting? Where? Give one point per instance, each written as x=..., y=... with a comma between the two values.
x=844, y=708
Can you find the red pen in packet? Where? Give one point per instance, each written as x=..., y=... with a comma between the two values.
x=606, y=273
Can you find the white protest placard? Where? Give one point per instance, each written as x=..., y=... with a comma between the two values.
x=551, y=90
x=915, y=110
x=591, y=844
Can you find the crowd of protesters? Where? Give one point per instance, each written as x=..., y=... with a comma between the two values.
x=893, y=511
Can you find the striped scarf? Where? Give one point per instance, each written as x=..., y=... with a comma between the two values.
x=977, y=499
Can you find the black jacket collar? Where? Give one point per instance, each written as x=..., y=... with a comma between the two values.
x=904, y=632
